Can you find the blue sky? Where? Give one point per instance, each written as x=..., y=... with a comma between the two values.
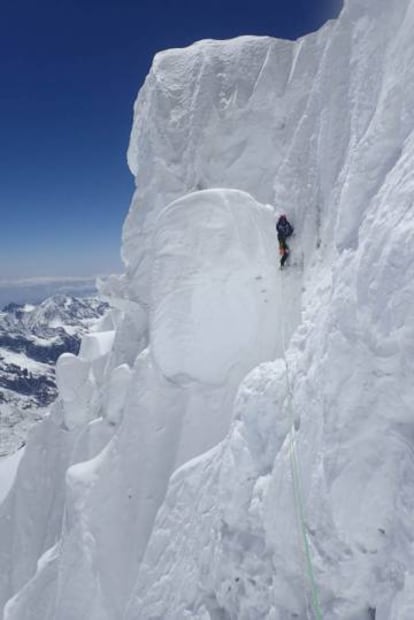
x=70, y=71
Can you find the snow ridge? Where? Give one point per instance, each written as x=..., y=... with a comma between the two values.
x=170, y=491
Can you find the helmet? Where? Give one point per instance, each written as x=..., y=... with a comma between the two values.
x=282, y=217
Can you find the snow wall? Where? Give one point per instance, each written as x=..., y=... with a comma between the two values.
x=161, y=486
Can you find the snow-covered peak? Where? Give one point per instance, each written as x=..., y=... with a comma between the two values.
x=53, y=312
x=32, y=337
x=66, y=310
x=173, y=483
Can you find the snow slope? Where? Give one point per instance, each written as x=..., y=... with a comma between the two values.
x=167, y=470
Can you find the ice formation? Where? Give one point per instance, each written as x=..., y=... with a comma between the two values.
x=162, y=486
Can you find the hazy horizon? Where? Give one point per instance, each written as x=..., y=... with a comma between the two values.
x=35, y=290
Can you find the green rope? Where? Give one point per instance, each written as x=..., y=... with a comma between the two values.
x=297, y=491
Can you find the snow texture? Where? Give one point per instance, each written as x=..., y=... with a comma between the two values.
x=8, y=469
x=161, y=487
x=32, y=337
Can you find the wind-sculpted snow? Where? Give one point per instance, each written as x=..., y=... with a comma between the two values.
x=180, y=416
x=217, y=114
x=213, y=303
x=213, y=297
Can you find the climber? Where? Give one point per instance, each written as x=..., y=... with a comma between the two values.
x=284, y=230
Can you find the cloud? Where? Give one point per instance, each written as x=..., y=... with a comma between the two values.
x=35, y=290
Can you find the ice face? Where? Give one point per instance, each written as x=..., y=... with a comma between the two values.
x=213, y=259
x=176, y=485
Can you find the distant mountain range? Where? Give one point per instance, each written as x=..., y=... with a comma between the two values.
x=31, y=339
x=35, y=290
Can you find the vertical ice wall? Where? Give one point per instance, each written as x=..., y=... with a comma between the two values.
x=321, y=129
x=348, y=177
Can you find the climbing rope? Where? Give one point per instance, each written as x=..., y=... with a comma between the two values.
x=297, y=488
